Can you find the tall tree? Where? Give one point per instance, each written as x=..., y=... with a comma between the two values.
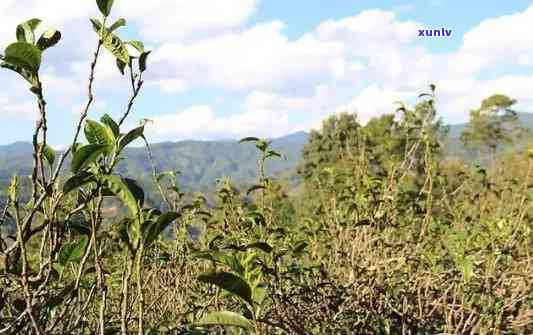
x=336, y=141
x=491, y=125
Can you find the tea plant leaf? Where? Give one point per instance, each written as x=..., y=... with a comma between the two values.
x=108, y=121
x=111, y=42
x=262, y=145
x=210, y=255
x=131, y=136
x=142, y=60
x=255, y=188
x=263, y=246
x=299, y=248
x=105, y=6
x=124, y=234
x=116, y=47
x=118, y=23
x=86, y=155
x=249, y=139
x=48, y=39
x=81, y=228
x=49, y=154
x=97, y=25
x=98, y=134
x=229, y=282
x=138, y=45
x=73, y=251
x=135, y=189
x=121, y=66
x=77, y=180
x=24, y=55
x=160, y=225
x=120, y=188
x=272, y=153
x=26, y=31
x=225, y=318
x=466, y=267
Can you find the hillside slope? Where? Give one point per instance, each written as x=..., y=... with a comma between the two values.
x=200, y=163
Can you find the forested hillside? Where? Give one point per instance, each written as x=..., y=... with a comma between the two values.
x=201, y=163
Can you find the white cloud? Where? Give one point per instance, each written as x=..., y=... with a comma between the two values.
x=171, y=20
x=374, y=101
x=369, y=32
x=502, y=39
x=363, y=63
x=469, y=94
x=171, y=86
x=263, y=58
x=17, y=111
x=258, y=58
x=263, y=114
x=97, y=106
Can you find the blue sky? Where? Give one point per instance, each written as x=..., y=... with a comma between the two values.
x=234, y=68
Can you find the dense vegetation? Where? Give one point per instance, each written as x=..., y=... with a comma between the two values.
x=385, y=235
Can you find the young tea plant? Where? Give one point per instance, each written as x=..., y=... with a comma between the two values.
x=57, y=266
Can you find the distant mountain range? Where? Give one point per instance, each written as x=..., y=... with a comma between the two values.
x=202, y=162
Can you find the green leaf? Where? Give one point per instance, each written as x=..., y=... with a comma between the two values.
x=467, y=268
x=97, y=25
x=160, y=225
x=86, y=155
x=255, y=188
x=300, y=248
x=121, y=66
x=124, y=234
x=76, y=146
x=115, y=46
x=24, y=55
x=229, y=282
x=109, y=122
x=135, y=189
x=120, y=188
x=111, y=42
x=225, y=318
x=77, y=180
x=73, y=251
x=118, y=23
x=105, y=6
x=138, y=45
x=98, y=134
x=131, y=136
x=49, y=39
x=26, y=31
x=49, y=154
x=81, y=228
x=261, y=246
x=249, y=139
x=142, y=60
x=272, y=153
x=262, y=145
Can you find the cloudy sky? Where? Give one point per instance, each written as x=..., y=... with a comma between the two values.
x=234, y=68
